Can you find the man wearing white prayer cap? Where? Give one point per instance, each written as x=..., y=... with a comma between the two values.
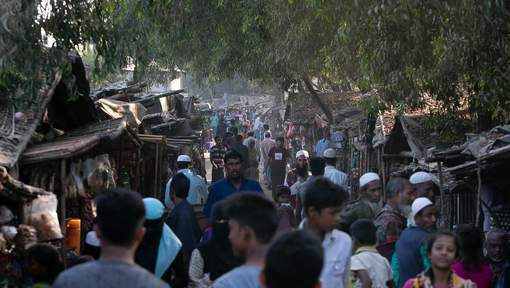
x=424, y=185
x=411, y=246
x=301, y=168
x=197, y=189
x=367, y=206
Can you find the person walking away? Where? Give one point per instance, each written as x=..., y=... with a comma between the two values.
x=369, y=268
x=235, y=182
x=266, y=146
x=198, y=188
x=217, y=153
x=222, y=127
x=472, y=265
x=442, y=249
x=323, y=144
x=317, y=169
x=160, y=251
x=182, y=219
x=214, y=121
x=294, y=260
x=367, y=206
x=391, y=220
x=496, y=245
x=323, y=203
x=302, y=163
x=120, y=218
x=258, y=126
x=278, y=156
x=253, y=222
x=43, y=265
x=285, y=209
x=250, y=137
x=253, y=164
x=410, y=257
x=214, y=257
x=336, y=176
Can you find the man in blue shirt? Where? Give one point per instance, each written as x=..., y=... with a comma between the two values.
x=182, y=218
x=233, y=183
x=323, y=144
x=213, y=120
x=197, y=190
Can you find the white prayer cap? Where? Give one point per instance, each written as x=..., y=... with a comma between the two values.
x=420, y=204
x=329, y=153
x=367, y=178
x=420, y=177
x=302, y=153
x=92, y=239
x=184, y=158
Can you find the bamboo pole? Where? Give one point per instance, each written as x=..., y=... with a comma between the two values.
x=63, y=202
x=441, y=190
x=156, y=174
x=479, y=192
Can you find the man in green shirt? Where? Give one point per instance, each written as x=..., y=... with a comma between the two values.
x=367, y=206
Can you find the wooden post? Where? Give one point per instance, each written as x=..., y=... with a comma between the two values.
x=479, y=194
x=62, y=200
x=156, y=174
x=136, y=182
x=441, y=190
x=382, y=170
x=346, y=152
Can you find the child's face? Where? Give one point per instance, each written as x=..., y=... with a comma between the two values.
x=285, y=198
x=326, y=219
x=443, y=252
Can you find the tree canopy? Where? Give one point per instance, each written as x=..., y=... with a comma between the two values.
x=456, y=52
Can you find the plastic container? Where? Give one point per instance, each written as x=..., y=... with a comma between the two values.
x=73, y=234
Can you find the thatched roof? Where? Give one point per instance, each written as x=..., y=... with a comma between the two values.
x=75, y=142
x=409, y=135
x=15, y=135
x=14, y=188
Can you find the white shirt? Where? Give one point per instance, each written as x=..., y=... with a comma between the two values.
x=337, y=247
x=258, y=124
x=336, y=176
x=378, y=268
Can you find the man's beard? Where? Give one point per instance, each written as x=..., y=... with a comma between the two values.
x=405, y=209
x=302, y=171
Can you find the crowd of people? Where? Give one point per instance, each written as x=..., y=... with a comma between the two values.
x=309, y=232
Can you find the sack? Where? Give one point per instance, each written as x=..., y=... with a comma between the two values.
x=41, y=213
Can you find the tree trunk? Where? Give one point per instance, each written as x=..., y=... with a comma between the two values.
x=319, y=101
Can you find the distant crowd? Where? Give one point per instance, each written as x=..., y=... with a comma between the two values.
x=311, y=231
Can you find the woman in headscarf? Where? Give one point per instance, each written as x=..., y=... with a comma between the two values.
x=214, y=257
x=160, y=251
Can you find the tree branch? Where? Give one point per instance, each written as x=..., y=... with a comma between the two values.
x=319, y=101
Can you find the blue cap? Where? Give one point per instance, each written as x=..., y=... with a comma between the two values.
x=154, y=209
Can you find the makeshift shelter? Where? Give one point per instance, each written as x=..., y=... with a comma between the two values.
x=26, y=212
x=69, y=163
x=477, y=178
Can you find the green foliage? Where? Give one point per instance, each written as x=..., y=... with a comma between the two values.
x=454, y=51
